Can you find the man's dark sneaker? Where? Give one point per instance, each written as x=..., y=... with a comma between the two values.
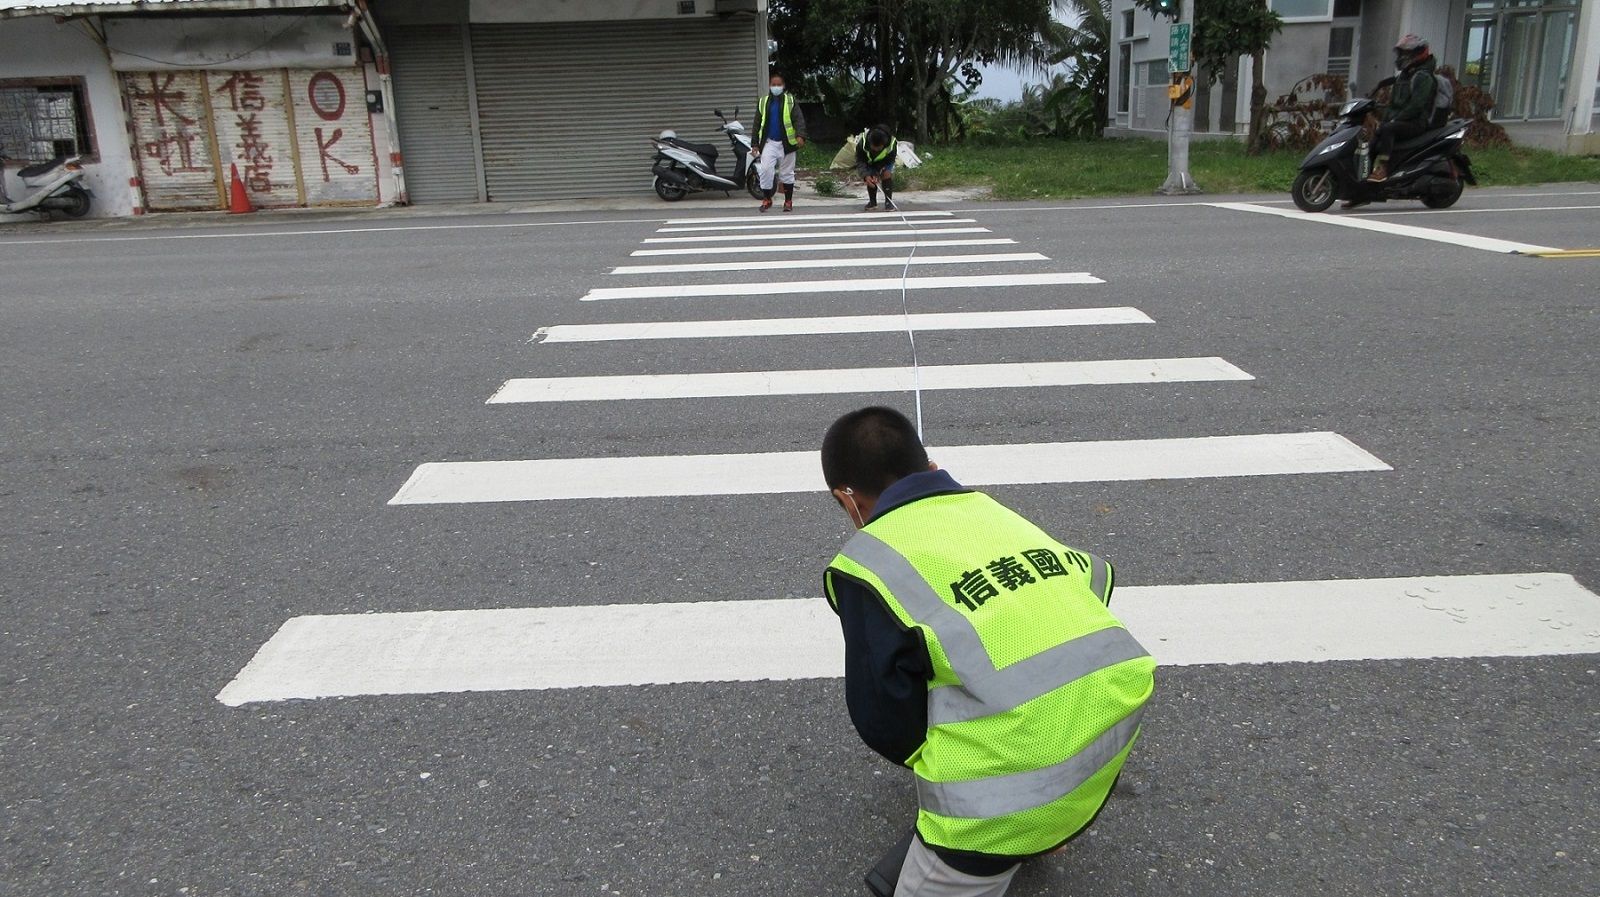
x=889, y=206
x=766, y=204
x=1349, y=204
x=871, y=206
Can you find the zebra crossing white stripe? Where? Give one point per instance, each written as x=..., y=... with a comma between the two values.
x=1468, y=241
x=861, y=285
x=460, y=482
x=980, y=320
x=837, y=381
x=808, y=216
x=869, y=262
x=794, y=224
x=824, y=247
x=829, y=235
x=516, y=649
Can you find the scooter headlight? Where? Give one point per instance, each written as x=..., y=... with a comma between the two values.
x=1332, y=146
x=1458, y=135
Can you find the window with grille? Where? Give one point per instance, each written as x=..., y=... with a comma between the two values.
x=1341, y=51
x=40, y=120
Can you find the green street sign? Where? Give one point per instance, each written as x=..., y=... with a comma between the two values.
x=1178, y=48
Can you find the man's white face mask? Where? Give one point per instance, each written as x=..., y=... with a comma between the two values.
x=777, y=89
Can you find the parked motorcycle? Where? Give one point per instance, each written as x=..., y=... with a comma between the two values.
x=1429, y=167
x=52, y=187
x=682, y=167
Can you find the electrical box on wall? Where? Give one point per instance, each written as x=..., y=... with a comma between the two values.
x=374, y=101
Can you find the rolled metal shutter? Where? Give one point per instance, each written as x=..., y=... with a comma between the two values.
x=435, y=117
x=566, y=109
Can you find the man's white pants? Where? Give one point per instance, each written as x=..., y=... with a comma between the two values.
x=775, y=161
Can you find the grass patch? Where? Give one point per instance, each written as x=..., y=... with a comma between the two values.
x=1062, y=169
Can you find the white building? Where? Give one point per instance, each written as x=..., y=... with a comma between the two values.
x=1539, y=59
x=370, y=102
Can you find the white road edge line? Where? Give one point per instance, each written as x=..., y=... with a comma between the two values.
x=719, y=329
x=319, y=232
x=755, y=289
x=802, y=217
x=829, y=235
x=1485, y=211
x=835, y=262
x=838, y=381
x=823, y=247
x=521, y=649
x=659, y=476
x=792, y=224
x=1467, y=241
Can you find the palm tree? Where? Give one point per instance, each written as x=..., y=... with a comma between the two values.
x=1079, y=102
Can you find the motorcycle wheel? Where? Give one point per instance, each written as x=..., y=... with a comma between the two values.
x=752, y=183
x=670, y=192
x=1444, y=200
x=1314, y=190
x=77, y=202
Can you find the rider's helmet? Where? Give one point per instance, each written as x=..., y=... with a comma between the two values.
x=667, y=135
x=1410, y=49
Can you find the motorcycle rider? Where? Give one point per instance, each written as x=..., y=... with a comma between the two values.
x=1410, y=110
x=781, y=132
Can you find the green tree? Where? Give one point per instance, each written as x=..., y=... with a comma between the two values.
x=1225, y=30
x=906, y=54
x=1079, y=100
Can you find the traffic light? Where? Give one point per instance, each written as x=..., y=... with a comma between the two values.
x=1168, y=8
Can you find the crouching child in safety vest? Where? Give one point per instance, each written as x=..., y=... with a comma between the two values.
x=980, y=653
x=875, y=155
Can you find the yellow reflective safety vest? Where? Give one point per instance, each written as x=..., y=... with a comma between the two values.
x=1037, y=690
x=788, y=118
x=887, y=154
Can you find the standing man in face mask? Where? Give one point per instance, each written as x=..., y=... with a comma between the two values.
x=783, y=132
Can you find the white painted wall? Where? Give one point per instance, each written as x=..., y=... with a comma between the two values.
x=39, y=47
x=1581, y=81
x=277, y=42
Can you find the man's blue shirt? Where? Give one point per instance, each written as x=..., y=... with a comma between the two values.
x=775, y=118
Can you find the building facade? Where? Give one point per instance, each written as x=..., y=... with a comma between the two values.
x=336, y=103
x=1539, y=59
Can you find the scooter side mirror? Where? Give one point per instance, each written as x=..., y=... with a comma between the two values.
x=718, y=114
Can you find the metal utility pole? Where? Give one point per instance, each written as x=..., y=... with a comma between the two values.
x=1180, y=124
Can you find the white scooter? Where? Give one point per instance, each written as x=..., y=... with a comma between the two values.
x=52, y=187
x=682, y=167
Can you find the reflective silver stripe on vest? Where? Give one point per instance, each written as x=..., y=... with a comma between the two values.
x=962, y=646
x=1099, y=579
x=1003, y=795
x=1032, y=678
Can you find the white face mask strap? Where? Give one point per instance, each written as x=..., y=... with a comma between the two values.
x=855, y=511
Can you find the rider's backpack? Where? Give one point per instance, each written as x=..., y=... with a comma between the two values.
x=1444, y=100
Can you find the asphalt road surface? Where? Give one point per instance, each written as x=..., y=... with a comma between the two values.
x=204, y=427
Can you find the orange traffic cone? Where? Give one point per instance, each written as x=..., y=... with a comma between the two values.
x=239, y=200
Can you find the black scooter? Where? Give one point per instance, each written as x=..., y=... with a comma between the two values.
x=1429, y=167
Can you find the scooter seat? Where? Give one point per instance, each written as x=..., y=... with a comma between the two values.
x=33, y=171
x=704, y=149
x=1422, y=140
